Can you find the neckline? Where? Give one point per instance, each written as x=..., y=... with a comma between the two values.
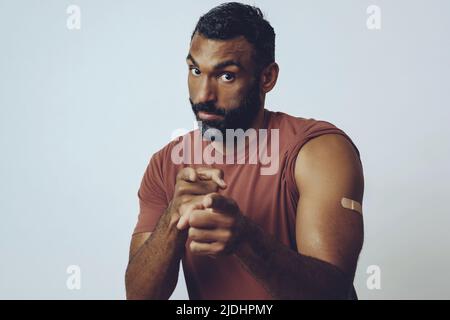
x=266, y=125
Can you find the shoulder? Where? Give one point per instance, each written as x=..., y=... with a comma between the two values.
x=296, y=130
x=286, y=123
x=327, y=161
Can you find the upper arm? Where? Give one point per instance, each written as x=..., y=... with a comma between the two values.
x=152, y=194
x=327, y=168
x=137, y=240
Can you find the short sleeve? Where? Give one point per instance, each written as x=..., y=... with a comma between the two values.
x=315, y=128
x=152, y=196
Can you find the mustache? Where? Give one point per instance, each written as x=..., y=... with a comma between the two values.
x=209, y=107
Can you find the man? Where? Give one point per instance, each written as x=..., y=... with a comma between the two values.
x=293, y=233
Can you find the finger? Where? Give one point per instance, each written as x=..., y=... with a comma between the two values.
x=183, y=222
x=219, y=203
x=207, y=219
x=195, y=188
x=209, y=235
x=212, y=174
x=195, y=202
x=187, y=174
x=205, y=248
x=186, y=210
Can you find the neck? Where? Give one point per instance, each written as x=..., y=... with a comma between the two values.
x=258, y=122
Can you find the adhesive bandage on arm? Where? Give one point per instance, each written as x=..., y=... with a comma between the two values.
x=351, y=204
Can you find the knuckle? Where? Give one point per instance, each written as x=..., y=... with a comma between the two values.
x=181, y=188
x=191, y=233
x=181, y=172
x=219, y=173
x=227, y=234
x=193, y=218
x=220, y=247
x=193, y=246
x=215, y=171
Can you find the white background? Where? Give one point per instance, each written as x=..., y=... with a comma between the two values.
x=82, y=111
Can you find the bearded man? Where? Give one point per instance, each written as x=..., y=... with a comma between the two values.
x=292, y=233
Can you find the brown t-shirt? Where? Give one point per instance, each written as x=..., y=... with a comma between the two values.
x=270, y=200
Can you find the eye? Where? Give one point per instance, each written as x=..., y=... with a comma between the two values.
x=227, y=77
x=195, y=72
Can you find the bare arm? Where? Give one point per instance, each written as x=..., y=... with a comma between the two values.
x=153, y=267
x=152, y=272
x=329, y=237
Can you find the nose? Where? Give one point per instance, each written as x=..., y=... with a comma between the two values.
x=206, y=91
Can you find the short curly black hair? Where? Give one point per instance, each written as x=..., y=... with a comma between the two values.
x=233, y=19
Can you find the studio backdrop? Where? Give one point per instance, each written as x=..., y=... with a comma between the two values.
x=89, y=90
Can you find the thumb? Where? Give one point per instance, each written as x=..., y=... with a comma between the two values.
x=219, y=203
x=183, y=222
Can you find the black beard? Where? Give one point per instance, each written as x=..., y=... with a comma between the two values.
x=236, y=118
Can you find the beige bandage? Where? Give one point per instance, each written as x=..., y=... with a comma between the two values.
x=351, y=204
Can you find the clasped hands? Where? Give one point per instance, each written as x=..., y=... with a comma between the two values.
x=214, y=223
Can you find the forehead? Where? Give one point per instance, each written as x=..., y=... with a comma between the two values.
x=209, y=52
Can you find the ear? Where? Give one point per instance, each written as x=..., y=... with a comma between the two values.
x=269, y=77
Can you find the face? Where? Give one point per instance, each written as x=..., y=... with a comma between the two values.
x=223, y=90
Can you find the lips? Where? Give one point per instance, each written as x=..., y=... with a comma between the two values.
x=209, y=116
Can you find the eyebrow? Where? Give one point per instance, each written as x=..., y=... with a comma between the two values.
x=220, y=65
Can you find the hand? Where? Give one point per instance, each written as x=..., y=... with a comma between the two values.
x=217, y=229
x=191, y=187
